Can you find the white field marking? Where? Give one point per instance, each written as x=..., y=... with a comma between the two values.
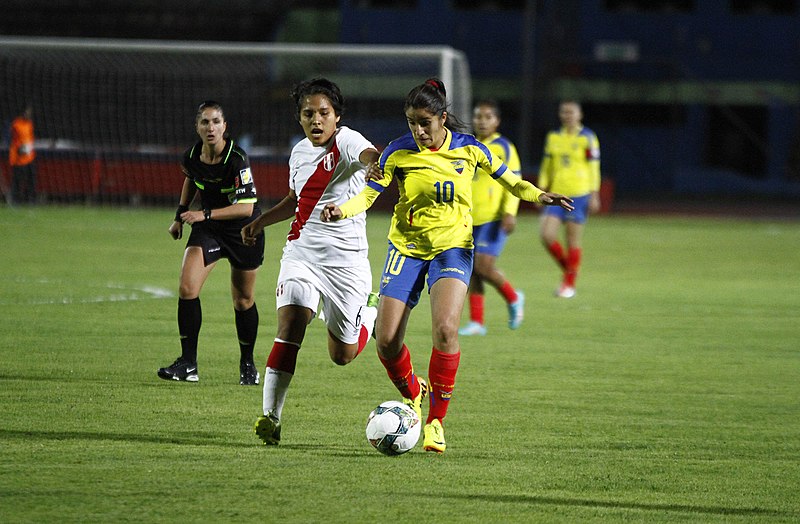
x=125, y=294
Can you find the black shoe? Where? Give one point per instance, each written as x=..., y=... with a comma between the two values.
x=180, y=370
x=248, y=375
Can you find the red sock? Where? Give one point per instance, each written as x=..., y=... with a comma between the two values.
x=557, y=252
x=283, y=356
x=401, y=373
x=508, y=292
x=476, y=307
x=442, y=375
x=573, y=261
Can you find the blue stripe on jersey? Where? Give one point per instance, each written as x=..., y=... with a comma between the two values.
x=503, y=142
x=464, y=140
x=500, y=172
x=376, y=186
x=404, y=142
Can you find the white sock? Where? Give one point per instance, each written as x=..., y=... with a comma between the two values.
x=276, y=385
x=368, y=317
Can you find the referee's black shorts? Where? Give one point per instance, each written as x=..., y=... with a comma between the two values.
x=223, y=239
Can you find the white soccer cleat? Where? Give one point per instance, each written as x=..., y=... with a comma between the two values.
x=516, y=311
x=565, y=292
x=473, y=328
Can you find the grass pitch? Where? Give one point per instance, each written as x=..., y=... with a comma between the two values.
x=667, y=390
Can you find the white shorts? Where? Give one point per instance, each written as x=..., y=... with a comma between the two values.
x=342, y=290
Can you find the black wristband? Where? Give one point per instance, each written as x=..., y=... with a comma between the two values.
x=207, y=214
x=181, y=210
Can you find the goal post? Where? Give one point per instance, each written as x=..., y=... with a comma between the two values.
x=113, y=116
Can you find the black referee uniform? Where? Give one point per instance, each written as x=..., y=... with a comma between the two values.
x=221, y=185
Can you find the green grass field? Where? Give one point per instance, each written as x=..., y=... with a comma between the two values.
x=667, y=390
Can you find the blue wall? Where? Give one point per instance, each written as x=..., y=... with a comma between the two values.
x=715, y=58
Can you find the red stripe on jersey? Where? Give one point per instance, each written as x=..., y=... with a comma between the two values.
x=312, y=190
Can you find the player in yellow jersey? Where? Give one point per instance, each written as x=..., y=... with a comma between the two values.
x=430, y=236
x=494, y=216
x=571, y=166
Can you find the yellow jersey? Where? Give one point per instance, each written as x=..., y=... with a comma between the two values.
x=490, y=201
x=432, y=213
x=571, y=163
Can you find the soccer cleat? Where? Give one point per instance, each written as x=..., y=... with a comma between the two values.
x=181, y=369
x=248, y=374
x=373, y=299
x=565, y=291
x=268, y=429
x=433, y=439
x=516, y=311
x=416, y=403
x=473, y=328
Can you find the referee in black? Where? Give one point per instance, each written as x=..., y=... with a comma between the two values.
x=219, y=171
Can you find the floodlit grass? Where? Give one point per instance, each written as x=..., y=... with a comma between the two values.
x=667, y=390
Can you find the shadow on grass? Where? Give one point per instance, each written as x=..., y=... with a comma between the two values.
x=558, y=501
x=194, y=439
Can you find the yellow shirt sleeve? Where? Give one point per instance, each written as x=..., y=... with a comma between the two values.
x=359, y=203
x=520, y=188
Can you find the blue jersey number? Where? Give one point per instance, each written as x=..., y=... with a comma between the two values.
x=445, y=192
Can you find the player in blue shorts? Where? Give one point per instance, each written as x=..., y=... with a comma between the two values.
x=571, y=166
x=494, y=217
x=430, y=240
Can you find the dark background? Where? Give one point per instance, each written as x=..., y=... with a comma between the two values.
x=688, y=97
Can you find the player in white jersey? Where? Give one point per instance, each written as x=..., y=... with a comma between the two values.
x=323, y=262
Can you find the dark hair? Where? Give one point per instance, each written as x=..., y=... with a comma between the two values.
x=432, y=97
x=317, y=86
x=491, y=103
x=208, y=104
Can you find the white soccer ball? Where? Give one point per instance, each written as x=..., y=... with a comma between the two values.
x=393, y=428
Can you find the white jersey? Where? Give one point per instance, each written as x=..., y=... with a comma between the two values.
x=323, y=175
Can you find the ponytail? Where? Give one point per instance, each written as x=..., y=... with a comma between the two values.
x=431, y=96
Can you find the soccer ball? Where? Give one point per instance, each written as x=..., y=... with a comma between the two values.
x=393, y=428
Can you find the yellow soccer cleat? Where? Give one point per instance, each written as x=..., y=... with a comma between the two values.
x=416, y=404
x=434, y=437
x=268, y=429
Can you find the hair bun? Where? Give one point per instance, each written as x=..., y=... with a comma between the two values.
x=437, y=84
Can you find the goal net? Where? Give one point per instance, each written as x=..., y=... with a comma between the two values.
x=113, y=117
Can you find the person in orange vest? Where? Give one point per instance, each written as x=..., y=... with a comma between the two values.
x=21, y=156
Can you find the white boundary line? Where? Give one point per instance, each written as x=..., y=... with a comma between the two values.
x=126, y=294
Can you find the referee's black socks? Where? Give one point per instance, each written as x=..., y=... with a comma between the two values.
x=247, y=331
x=190, y=317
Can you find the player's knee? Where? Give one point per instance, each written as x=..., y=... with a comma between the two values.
x=242, y=303
x=388, y=345
x=341, y=360
x=483, y=270
x=445, y=334
x=343, y=356
x=188, y=292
